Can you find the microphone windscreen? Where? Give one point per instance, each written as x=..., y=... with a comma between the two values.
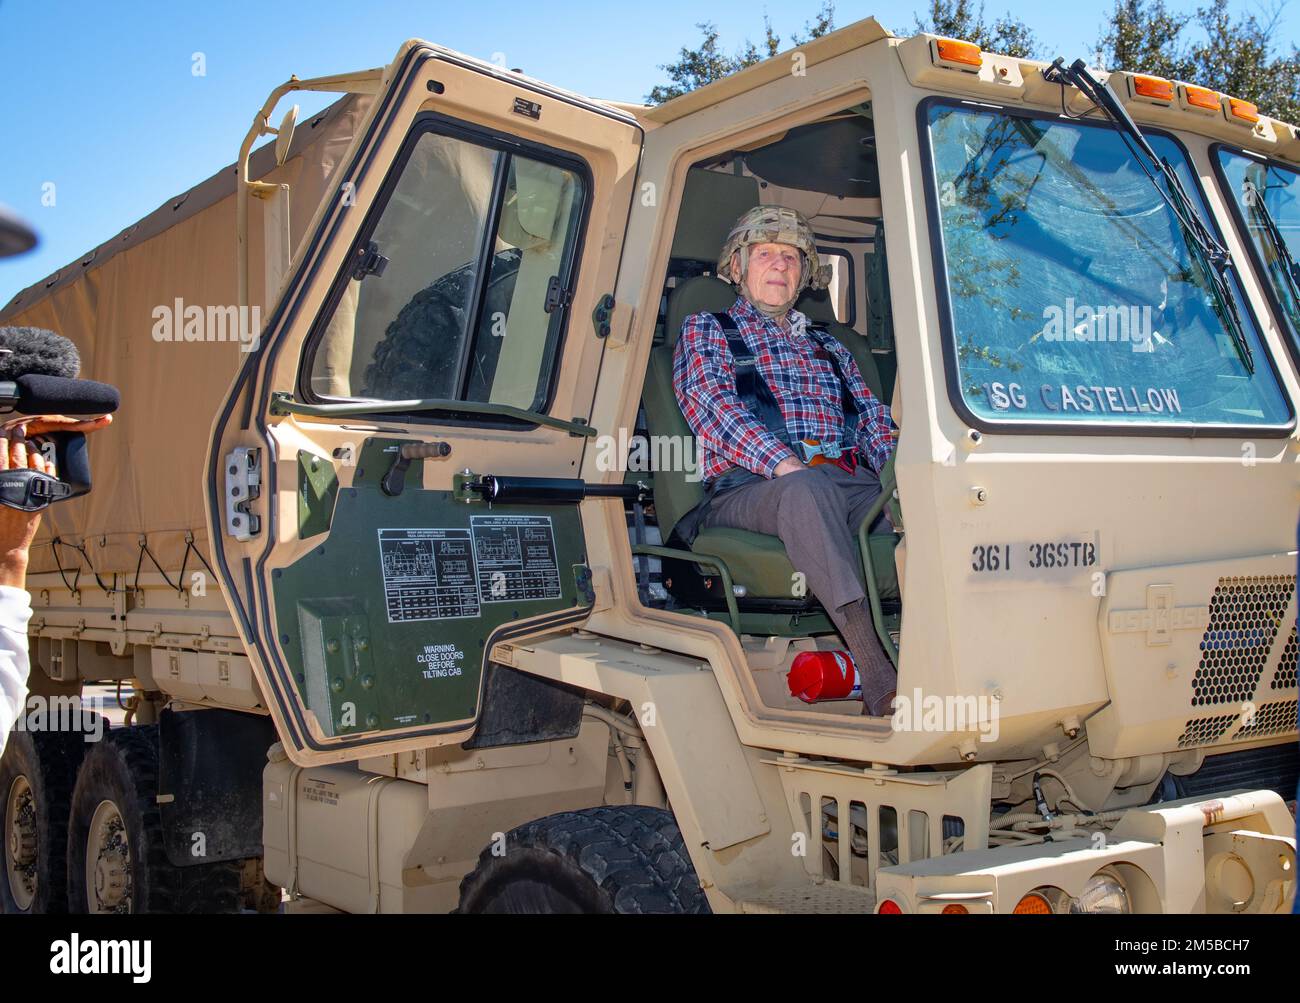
x=34, y=350
x=39, y=394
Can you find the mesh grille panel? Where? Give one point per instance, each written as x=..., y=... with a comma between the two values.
x=1244, y=617
x=1285, y=678
x=1204, y=730
x=1270, y=719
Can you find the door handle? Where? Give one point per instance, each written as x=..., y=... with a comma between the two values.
x=394, y=481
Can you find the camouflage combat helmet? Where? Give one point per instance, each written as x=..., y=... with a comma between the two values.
x=774, y=224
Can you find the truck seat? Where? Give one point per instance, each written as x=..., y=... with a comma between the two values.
x=757, y=562
x=816, y=305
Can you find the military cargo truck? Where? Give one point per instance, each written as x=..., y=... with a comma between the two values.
x=385, y=565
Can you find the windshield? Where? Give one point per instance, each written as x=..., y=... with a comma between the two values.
x=1262, y=191
x=1074, y=295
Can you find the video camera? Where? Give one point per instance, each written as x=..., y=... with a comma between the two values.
x=38, y=376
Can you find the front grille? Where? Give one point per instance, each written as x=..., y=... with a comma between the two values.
x=1205, y=730
x=1270, y=719
x=1245, y=614
x=1285, y=678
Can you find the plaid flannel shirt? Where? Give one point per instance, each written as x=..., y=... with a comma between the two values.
x=728, y=434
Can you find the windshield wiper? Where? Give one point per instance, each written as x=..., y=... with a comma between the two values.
x=1254, y=197
x=1213, y=256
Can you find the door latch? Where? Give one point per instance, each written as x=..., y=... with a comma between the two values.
x=369, y=262
x=243, y=487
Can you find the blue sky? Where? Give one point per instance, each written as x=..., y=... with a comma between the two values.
x=100, y=99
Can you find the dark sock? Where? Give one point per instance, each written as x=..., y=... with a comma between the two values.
x=879, y=678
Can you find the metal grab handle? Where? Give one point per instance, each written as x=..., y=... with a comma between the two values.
x=425, y=450
x=724, y=573
x=394, y=482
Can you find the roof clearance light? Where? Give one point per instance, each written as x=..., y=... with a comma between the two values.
x=1201, y=98
x=960, y=55
x=955, y=909
x=1152, y=88
x=1032, y=904
x=1245, y=112
x=889, y=908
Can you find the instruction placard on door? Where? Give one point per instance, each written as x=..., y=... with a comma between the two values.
x=516, y=557
x=428, y=574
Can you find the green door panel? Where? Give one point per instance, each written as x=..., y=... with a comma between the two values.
x=318, y=487
x=384, y=625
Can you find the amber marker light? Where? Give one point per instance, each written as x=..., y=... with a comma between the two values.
x=1153, y=88
x=950, y=51
x=1201, y=98
x=1032, y=904
x=1243, y=111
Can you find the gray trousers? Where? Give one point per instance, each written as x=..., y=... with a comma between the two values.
x=816, y=512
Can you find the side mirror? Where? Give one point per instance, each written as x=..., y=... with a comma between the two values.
x=284, y=135
x=15, y=235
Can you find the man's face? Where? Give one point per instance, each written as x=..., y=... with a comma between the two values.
x=774, y=271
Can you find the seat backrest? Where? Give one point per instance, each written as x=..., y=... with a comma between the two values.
x=816, y=305
x=711, y=204
x=677, y=491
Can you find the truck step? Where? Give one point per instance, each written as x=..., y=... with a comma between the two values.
x=806, y=897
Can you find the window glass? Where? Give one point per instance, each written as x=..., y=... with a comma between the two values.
x=1074, y=294
x=840, y=289
x=1262, y=192
x=448, y=293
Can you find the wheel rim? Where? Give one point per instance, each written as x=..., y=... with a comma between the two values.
x=21, y=845
x=108, y=862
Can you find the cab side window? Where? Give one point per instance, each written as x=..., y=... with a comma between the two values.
x=456, y=291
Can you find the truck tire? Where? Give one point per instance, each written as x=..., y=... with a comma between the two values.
x=36, y=777
x=612, y=859
x=116, y=859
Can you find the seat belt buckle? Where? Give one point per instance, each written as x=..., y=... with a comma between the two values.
x=814, y=452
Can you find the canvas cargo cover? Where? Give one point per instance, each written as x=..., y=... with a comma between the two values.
x=148, y=466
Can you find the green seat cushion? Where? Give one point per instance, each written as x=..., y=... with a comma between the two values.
x=759, y=562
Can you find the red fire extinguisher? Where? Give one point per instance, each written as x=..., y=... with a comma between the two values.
x=824, y=675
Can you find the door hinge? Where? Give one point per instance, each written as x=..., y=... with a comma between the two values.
x=243, y=487
x=557, y=297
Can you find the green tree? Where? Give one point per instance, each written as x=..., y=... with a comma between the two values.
x=1236, y=55
x=703, y=65
x=961, y=19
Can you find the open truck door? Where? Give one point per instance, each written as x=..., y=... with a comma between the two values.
x=437, y=325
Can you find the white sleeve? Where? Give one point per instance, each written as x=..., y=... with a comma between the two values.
x=15, y=611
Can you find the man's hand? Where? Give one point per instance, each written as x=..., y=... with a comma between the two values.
x=790, y=465
x=61, y=423
x=17, y=452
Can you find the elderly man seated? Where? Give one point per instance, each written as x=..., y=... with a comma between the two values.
x=791, y=441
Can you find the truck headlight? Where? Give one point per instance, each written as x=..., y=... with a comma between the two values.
x=1105, y=892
